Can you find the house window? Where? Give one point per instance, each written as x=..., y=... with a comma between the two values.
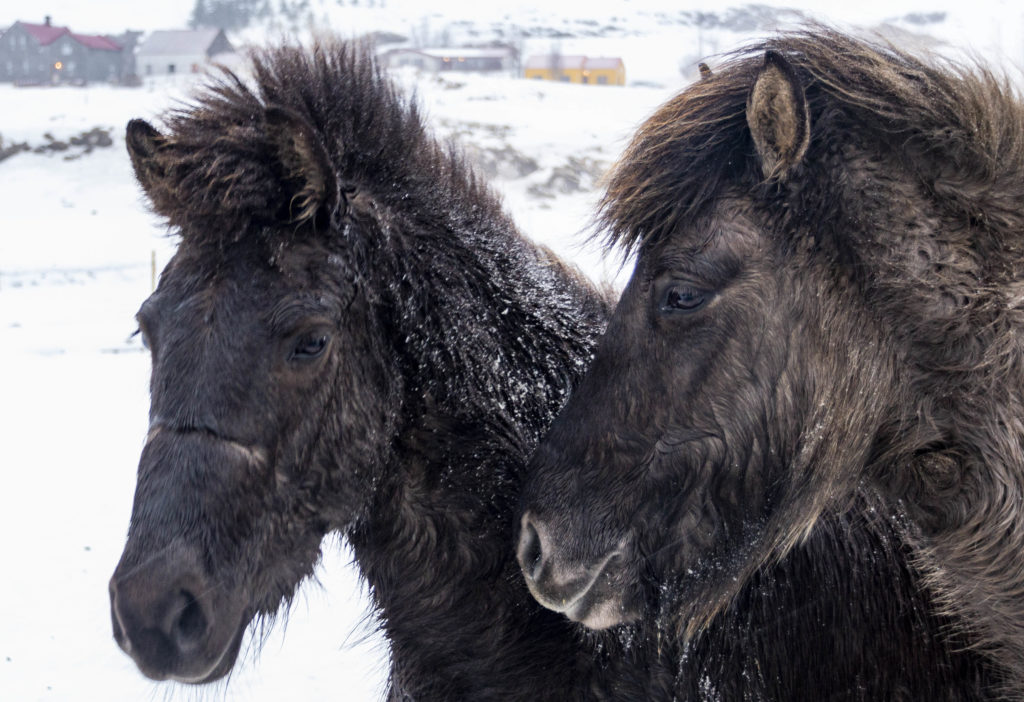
x=602, y=80
x=67, y=50
x=564, y=79
x=149, y=69
x=170, y=68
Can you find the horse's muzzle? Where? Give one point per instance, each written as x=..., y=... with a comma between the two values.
x=590, y=591
x=171, y=621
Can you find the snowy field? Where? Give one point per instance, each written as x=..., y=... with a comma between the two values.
x=76, y=250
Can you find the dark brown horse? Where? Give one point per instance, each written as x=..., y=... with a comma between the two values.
x=824, y=327
x=351, y=337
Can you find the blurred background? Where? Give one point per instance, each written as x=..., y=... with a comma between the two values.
x=542, y=96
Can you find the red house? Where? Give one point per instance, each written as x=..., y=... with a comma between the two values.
x=45, y=53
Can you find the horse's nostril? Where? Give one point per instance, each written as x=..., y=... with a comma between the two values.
x=190, y=622
x=115, y=618
x=530, y=552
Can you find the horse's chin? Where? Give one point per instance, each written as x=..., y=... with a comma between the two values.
x=603, y=614
x=221, y=666
x=608, y=603
x=194, y=672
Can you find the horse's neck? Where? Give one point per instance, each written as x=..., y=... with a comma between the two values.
x=505, y=331
x=851, y=572
x=958, y=473
x=437, y=548
x=969, y=538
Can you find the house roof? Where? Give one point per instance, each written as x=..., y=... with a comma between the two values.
x=178, y=42
x=574, y=62
x=44, y=33
x=93, y=41
x=547, y=61
x=605, y=62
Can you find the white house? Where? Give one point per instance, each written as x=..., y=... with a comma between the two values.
x=181, y=51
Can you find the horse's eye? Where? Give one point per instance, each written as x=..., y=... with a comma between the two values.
x=309, y=347
x=683, y=298
x=142, y=338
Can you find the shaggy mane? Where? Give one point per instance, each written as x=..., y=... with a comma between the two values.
x=218, y=151
x=907, y=206
x=960, y=128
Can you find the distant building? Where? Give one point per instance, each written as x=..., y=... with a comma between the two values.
x=166, y=52
x=576, y=69
x=452, y=59
x=46, y=54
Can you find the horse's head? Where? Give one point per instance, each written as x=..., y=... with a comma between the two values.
x=272, y=398
x=739, y=387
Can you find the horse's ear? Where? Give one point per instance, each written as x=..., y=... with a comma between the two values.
x=307, y=166
x=778, y=118
x=143, y=142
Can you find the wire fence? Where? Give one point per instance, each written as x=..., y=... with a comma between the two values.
x=18, y=277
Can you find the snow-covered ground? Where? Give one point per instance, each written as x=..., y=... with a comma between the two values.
x=76, y=250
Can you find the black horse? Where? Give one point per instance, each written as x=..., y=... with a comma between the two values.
x=814, y=377
x=351, y=337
